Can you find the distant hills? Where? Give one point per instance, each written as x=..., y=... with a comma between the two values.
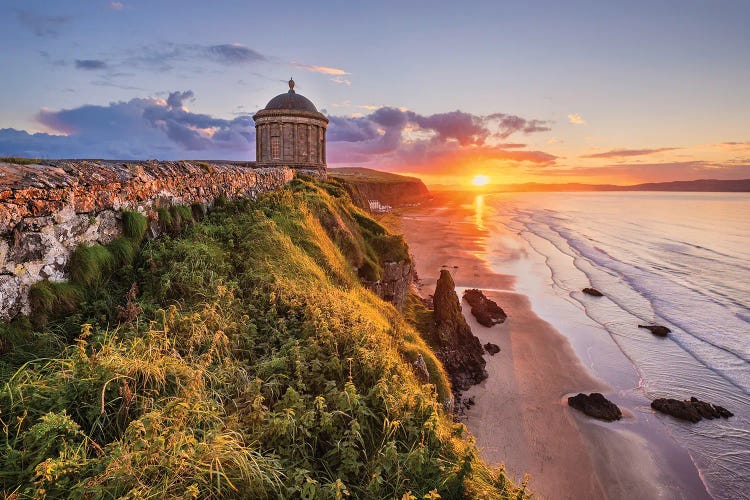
x=701, y=185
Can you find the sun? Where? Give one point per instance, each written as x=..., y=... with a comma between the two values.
x=480, y=180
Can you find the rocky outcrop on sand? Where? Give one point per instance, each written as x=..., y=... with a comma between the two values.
x=593, y=292
x=658, y=330
x=693, y=410
x=458, y=349
x=595, y=405
x=491, y=348
x=485, y=310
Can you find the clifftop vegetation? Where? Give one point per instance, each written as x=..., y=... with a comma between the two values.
x=236, y=356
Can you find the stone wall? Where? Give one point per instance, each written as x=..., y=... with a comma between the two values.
x=47, y=210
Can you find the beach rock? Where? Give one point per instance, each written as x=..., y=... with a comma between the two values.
x=595, y=405
x=693, y=410
x=658, y=330
x=491, y=348
x=593, y=292
x=485, y=310
x=457, y=347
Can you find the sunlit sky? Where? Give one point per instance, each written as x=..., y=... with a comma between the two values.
x=603, y=92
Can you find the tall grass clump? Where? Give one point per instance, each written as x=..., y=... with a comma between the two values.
x=123, y=250
x=88, y=264
x=251, y=363
x=134, y=225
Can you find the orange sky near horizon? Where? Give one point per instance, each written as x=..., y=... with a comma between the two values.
x=619, y=166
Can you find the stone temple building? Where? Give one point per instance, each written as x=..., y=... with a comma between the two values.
x=291, y=132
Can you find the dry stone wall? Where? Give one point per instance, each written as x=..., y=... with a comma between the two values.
x=47, y=210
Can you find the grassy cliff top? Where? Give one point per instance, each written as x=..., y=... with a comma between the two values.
x=355, y=174
x=237, y=356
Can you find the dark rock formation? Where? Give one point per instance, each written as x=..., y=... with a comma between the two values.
x=395, y=283
x=693, y=410
x=593, y=292
x=658, y=330
x=458, y=349
x=491, y=348
x=595, y=405
x=485, y=310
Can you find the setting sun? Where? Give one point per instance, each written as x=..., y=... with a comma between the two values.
x=480, y=180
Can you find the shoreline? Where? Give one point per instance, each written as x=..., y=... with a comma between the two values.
x=520, y=418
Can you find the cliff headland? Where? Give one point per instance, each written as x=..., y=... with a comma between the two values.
x=364, y=184
x=228, y=348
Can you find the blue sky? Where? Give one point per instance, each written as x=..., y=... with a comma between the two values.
x=615, y=91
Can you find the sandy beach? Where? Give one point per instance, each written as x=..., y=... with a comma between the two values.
x=520, y=417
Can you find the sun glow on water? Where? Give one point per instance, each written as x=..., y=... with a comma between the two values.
x=480, y=180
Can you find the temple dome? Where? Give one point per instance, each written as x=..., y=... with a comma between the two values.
x=292, y=100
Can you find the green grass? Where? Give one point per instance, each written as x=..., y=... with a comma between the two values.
x=257, y=367
x=89, y=264
x=51, y=298
x=354, y=174
x=123, y=251
x=134, y=225
x=20, y=161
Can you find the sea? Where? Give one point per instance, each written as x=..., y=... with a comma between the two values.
x=681, y=260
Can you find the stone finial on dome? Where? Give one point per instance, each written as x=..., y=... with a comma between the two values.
x=291, y=84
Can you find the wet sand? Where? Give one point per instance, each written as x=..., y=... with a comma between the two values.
x=520, y=418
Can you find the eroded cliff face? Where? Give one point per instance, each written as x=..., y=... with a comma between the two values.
x=364, y=185
x=393, y=194
x=46, y=211
x=395, y=284
x=458, y=349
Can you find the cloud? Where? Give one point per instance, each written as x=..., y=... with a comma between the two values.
x=389, y=138
x=90, y=64
x=341, y=80
x=393, y=138
x=326, y=70
x=234, y=53
x=510, y=124
x=140, y=128
x=165, y=56
x=620, y=153
x=41, y=25
x=116, y=5
x=576, y=119
x=635, y=173
x=733, y=146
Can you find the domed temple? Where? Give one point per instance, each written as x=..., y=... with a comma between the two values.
x=291, y=132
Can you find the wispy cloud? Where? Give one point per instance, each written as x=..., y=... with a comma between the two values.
x=234, y=53
x=326, y=70
x=634, y=173
x=341, y=80
x=620, y=153
x=576, y=119
x=733, y=146
x=41, y=25
x=116, y=5
x=90, y=64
